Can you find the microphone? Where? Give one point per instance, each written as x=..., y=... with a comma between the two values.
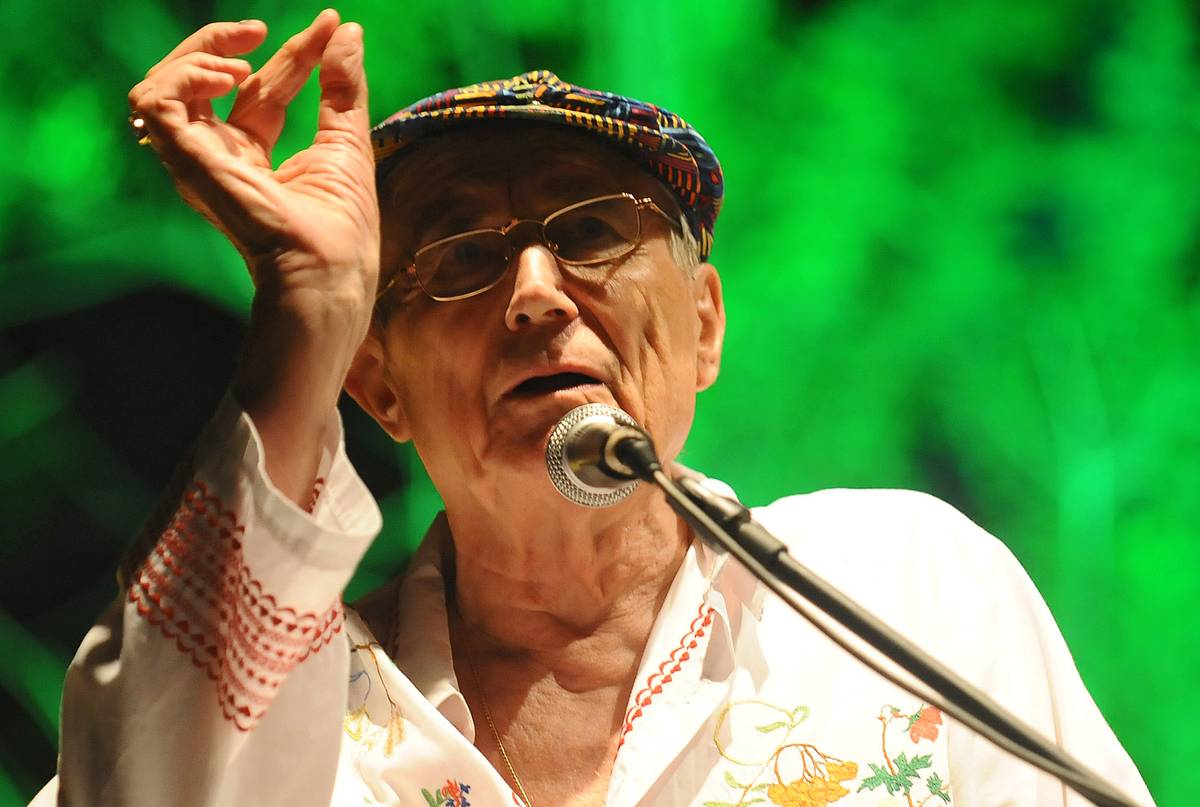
x=581, y=455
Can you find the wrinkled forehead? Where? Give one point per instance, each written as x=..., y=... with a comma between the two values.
x=509, y=169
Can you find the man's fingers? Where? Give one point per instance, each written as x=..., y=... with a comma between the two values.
x=162, y=98
x=220, y=38
x=262, y=101
x=344, y=86
x=168, y=121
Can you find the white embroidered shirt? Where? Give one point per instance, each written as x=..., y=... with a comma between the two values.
x=228, y=673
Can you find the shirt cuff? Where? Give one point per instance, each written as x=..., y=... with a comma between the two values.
x=345, y=518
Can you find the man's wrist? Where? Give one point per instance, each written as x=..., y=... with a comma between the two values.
x=293, y=365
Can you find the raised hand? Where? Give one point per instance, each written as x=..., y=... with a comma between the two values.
x=309, y=230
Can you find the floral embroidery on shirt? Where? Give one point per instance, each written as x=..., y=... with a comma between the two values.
x=805, y=776
x=818, y=785
x=924, y=722
x=194, y=585
x=451, y=794
x=902, y=773
x=358, y=724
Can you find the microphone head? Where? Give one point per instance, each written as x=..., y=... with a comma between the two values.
x=575, y=455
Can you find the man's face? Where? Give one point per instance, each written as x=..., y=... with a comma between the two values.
x=478, y=383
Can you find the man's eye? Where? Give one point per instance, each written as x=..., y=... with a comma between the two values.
x=590, y=229
x=466, y=254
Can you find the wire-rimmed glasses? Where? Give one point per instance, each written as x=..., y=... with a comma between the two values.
x=588, y=233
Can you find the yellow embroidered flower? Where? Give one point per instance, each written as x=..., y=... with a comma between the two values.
x=820, y=781
x=359, y=728
x=356, y=723
x=815, y=792
x=841, y=771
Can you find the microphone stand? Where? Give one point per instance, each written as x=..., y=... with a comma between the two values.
x=728, y=525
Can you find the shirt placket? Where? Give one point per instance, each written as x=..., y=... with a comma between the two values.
x=676, y=692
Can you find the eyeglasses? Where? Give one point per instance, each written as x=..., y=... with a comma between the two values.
x=588, y=233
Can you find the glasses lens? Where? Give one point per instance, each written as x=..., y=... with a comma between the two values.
x=596, y=231
x=462, y=264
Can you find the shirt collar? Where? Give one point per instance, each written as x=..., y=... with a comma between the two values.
x=420, y=641
x=730, y=589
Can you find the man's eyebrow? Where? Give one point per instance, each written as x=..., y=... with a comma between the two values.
x=570, y=182
x=431, y=217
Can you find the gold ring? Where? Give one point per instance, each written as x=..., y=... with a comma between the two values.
x=137, y=122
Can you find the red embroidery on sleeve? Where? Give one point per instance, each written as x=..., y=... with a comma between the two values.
x=666, y=671
x=196, y=588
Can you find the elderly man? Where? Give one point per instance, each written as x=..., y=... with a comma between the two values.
x=541, y=246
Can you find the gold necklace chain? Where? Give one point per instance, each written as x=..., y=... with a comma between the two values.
x=487, y=715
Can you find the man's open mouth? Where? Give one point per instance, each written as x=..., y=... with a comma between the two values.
x=544, y=384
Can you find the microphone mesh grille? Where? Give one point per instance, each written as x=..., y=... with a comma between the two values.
x=568, y=484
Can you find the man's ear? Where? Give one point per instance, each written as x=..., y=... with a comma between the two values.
x=710, y=313
x=371, y=385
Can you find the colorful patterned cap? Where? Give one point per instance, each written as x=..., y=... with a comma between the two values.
x=657, y=138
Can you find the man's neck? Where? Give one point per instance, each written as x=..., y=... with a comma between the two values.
x=550, y=610
x=564, y=588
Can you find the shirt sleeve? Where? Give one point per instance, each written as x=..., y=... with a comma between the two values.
x=958, y=592
x=217, y=677
x=1006, y=641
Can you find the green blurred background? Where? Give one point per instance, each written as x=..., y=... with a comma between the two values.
x=960, y=250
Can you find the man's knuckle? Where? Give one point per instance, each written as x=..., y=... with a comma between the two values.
x=267, y=94
x=335, y=86
x=339, y=138
x=340, y=81
x=211, y=31
x=150, y=98
x=289, y=50
x=158, y=106
x=197, y=58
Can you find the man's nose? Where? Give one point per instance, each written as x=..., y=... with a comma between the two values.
x=538, y=295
